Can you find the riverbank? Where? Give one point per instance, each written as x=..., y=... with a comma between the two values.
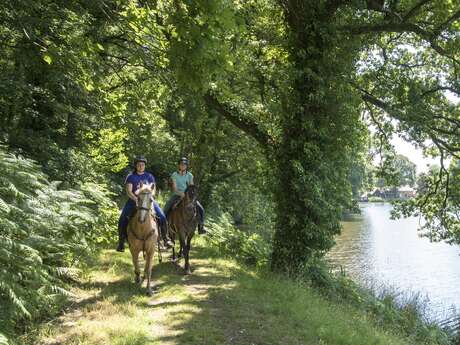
x=223, y=302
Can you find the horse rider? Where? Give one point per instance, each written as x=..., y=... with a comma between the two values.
x=180, y=180
x=132, y=184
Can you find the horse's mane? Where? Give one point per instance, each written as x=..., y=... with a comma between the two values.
x=189, y=186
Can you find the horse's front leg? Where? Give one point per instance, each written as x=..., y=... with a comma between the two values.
x=148, y=269
x=187, y=246
x=182, y=241
x=172, y=237
x=181, y=251
x=135, y=256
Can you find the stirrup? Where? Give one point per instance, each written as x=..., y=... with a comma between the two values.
x=201, y=230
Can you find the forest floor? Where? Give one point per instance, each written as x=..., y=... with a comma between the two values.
x=222, y=302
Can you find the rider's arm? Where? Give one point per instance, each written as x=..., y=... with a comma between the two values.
x=129, y=191
x=174, y=188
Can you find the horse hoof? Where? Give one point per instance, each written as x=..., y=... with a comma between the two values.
x=188, y=271
x=149, y=293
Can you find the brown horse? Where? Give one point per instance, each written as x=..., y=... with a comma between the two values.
x=183, y=221
x=143, y=235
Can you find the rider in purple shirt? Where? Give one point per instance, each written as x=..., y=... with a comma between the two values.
x=133, y=182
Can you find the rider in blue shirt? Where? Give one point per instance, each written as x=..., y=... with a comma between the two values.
x=132, y=184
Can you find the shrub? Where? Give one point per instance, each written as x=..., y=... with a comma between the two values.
x=45, y=233
x=250, y=248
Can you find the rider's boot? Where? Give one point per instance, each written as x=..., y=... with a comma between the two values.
x=164, y=235
x=121, y=240
x=201, y=229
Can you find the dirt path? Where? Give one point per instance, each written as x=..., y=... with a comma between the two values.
x=110, y=309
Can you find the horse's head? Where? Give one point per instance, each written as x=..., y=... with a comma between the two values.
x=191, y=193
x=145, y=200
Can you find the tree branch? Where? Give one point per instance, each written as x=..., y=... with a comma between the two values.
x=414, y=10
x=388, y=27
x=441, y=88
x=402, y=27
x=397, y=114
x=249, y=127
x=444, y=25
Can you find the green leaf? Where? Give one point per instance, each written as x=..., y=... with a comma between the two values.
x=3, y=340
x=48, y=59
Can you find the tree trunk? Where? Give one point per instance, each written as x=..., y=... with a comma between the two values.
x=311, y=169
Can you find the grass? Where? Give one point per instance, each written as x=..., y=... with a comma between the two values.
x=222, y=302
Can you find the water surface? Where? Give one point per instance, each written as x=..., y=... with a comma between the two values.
x=374, y=248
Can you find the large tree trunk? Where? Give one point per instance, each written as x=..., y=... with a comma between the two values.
x=320, y=129
x=311, y=164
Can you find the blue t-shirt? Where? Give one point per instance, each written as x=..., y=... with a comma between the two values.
x=135, y=179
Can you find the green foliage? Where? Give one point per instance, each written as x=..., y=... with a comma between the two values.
x=48, y=62
x=3, y=340
x=45, y=234
x=384, y=307
x=250, y=248
x=267, y=98
x=439, y=203
x=395, y=170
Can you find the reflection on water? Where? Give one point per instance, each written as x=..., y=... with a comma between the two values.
x=372, y=247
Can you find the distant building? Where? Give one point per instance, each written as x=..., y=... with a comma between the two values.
x=406, y=192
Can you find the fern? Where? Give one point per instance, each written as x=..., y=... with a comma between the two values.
x=17, y=302
x=3, y=340
x=44, y=230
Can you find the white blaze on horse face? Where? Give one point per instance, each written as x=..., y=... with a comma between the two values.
x=145, y=205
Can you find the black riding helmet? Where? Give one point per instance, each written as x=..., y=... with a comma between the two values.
x=183, y=160
x=140, y=159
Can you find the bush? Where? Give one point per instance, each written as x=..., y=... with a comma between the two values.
x=45, y=233
x=376, y=199
x=249, y=248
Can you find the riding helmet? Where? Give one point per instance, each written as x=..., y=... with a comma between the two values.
x=140, y=159
x=183, y=160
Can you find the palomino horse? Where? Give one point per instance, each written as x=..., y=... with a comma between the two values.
x=183, y=221
x=143, y=235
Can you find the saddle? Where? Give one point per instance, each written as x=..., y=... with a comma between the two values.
x=133, y=212
x=157, y=220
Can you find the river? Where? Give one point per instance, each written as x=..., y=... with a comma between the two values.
x=389, y=253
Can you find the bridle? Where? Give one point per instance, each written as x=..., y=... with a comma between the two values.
x=142, y=208
x=148, y=209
